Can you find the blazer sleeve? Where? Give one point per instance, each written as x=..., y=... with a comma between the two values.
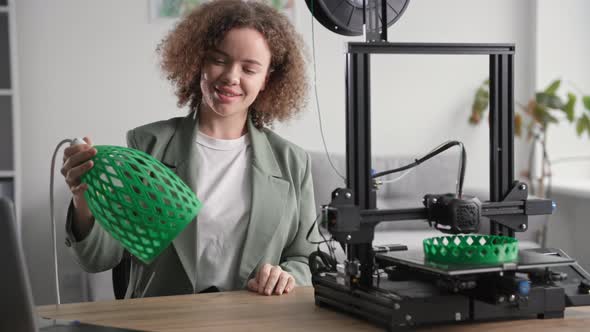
x=98, y=251
x=295, y=257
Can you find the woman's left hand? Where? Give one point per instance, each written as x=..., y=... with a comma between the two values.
x=271, y=279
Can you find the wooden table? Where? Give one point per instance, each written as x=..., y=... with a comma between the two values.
x=244, y=311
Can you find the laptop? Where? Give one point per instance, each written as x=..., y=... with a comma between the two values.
x=17, y=312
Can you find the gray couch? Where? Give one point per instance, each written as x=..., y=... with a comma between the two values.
x=436, y=176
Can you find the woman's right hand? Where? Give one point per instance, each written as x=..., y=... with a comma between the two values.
x=76, y=162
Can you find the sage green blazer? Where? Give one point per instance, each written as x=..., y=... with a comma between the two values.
x=282, y=212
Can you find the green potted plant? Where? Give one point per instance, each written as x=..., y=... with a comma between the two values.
x=545, y=108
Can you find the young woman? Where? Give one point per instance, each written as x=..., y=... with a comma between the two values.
x=239, y=67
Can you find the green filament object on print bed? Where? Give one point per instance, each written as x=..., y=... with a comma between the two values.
x=471, y=249
x=138, y=200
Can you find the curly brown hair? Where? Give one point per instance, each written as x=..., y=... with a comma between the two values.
x=183, y=52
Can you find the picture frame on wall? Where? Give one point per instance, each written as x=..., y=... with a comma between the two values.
x=173, y=9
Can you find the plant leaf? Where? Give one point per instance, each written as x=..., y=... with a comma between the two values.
x=587, y=121
x=552, y=88
x=480, y=104
x=586, y=102
x=539, y=114
x=583, y=124
x=579, y=127
x=550, y=118
x=517, y=124
x=530, y=107
x=568, y=108
x=548, y=100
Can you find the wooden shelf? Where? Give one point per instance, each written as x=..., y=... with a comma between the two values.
x=6, y=174
x=10, y=170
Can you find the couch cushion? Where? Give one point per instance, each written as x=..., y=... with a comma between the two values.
x=436, y=176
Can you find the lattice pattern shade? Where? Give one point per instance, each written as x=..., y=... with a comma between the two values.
x=138, y=200
x=471, y=249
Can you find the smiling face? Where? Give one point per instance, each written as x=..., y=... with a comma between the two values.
x=234, y=73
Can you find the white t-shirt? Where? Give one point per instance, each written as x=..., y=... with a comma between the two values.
x=224, y=186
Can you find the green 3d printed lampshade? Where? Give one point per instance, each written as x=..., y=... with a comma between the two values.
x=138, y=200
x=471, y=249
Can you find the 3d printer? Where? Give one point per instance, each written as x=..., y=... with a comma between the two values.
x=414, y=290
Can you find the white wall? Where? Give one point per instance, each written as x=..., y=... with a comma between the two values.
x=563, y=52
x=89, y=68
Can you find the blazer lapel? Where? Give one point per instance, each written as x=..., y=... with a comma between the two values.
x=181, y=156
x=269, y=193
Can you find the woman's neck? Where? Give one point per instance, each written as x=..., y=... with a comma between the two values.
x=213, y=125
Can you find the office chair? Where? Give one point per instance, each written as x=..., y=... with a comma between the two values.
x=120, y=276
